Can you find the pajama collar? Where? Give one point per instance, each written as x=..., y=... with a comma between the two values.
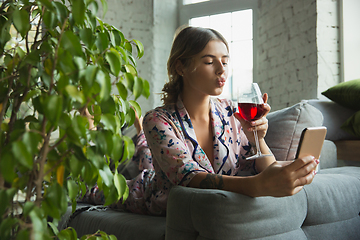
x=219, y=124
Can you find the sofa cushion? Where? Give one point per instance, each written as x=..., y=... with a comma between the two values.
x=346, y=94
x=334, y=204
x=286, y=125
x=352, y=125
x=124, y=225
x=216, y=214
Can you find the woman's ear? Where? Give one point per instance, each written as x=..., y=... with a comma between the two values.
x=179, y=68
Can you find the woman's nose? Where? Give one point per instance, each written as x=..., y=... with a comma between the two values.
x=220, y=69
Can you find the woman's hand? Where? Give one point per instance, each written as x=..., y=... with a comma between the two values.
x=261, y=124
x=286, y=178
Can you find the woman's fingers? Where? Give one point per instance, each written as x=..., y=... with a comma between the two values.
x=303, y=170
x=288, y=178
x=306, y=164
x=265, y=97
x=305, y=180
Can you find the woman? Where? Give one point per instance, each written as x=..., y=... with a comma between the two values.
x=200, y=142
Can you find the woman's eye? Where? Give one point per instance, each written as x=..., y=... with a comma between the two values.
x=209, y=63
x=225, y=63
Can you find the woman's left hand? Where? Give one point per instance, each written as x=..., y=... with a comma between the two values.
x=260, y=124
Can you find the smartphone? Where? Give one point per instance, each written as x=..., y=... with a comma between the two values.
x=311, y=142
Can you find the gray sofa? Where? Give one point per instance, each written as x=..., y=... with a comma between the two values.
x=328, y=208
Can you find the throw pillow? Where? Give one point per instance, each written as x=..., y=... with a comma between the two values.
x=346, y=94
x=286, y=125
x=352, y=125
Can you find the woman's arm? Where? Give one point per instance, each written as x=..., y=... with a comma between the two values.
x=276, y=180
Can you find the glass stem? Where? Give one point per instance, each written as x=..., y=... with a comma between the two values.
x=258, y=152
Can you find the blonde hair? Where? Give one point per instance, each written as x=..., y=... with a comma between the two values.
x=188, y=42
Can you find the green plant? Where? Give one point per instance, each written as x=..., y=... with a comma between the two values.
x=58, y=61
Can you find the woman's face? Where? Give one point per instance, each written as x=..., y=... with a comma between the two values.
x=208, y=71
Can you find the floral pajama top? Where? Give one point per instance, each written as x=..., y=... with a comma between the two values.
x=177, y=157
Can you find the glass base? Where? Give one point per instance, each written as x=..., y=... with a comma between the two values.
x=258, y=156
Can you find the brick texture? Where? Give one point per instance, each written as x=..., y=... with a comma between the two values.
x=297, y=49
x=297, y=45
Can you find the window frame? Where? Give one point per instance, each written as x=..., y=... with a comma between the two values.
x=186, y=12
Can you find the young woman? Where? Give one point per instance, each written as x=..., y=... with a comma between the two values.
x=201, y=142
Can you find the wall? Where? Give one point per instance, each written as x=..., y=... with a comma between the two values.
x=297, y=49
x=328, y=45
x=153, y=22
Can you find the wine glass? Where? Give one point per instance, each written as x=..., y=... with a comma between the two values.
x=251, y=108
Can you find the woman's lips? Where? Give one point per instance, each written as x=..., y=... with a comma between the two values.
x=221, y=81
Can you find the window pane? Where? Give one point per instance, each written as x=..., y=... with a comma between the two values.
x=242, y=25
x=222, y=24
x=200, y=22
x=237, y=29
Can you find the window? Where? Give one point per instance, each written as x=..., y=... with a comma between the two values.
x=350, y=18
x=235, y=22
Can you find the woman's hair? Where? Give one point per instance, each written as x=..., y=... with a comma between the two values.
x=187, y=43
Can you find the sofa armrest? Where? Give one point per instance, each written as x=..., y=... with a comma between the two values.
x=215, y=214
x=328, y=155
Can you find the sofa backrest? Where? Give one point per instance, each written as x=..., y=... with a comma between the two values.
x=286, y=125
x=334, y=116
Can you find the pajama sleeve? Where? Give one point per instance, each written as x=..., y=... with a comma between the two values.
x=169, y=149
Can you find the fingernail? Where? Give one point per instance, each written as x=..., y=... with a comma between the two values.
x=314, y=172
x=317, y=161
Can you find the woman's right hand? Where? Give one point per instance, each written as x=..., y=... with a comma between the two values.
x=286, y=178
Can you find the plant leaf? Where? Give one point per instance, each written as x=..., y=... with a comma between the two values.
x=87, y=37
x=113, y=58
x=138, y=87
x=106, y=175
x=136, y=106
x=21, y=20
x=31, y=141
x=60, y=175
x=120, y=184
x=117, y=37
x=105, y=84
x=71, y=43
x=131, y=69
x=73, y=189
x=118, y=148
x=104, y=6
x=22, y=154
x=61, y=11
x=78, y=9
x=53, y=106
x=50, y=20
x=109, y=122
x=122, y=90
x=7, y=166
x=75, y=94
x=146, y=89
x=139, y=47
x=102, y=41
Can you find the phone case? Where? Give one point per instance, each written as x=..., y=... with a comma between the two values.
x=311, y=142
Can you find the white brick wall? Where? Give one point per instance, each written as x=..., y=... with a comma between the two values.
x=297, y=49
x=153, y=22
x=328, y=45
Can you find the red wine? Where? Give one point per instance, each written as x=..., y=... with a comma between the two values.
x=251, y=111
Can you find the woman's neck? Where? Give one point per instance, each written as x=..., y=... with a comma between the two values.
x=197, y=106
